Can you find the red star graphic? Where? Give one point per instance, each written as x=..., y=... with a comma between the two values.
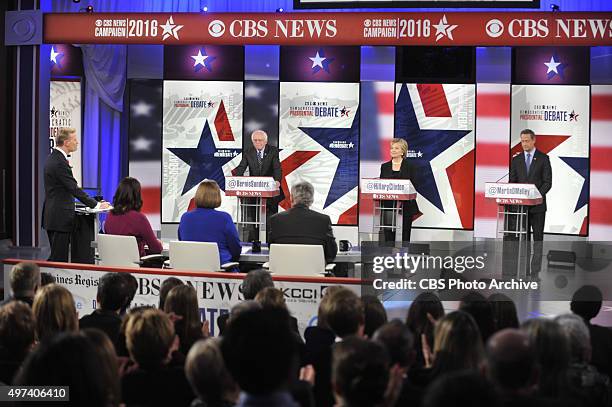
x=288, y=165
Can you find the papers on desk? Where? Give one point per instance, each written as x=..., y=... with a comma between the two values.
x=86, y=209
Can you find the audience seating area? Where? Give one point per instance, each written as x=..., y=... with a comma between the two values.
x=479, y=354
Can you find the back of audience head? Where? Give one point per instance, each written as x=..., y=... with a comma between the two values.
x=207, y=374
x=260, y=351
x=360, y=372
x=511, y=362
x=17, y=328
x=46, y=279
x=344, y=313
x=241, y=307
x=398, y=340
x=459, y=389
x=25, y=279
x=302, y=193
x=70, y=359
x=271, y=297
x=167, y=285
x=254, y=282
x=324, y=305
x=208, y=195
x=132, y=285
x=578, y=335
x=113, y=292
x=150, y=338
x=424, y=308
x=549, y=343
x=182, y=300
x=504, y=311
x=54, y=311
x=479, y=308
x=457, y=343
x=127, y=196
x=109, y=367
x=374, y=314
x=587, y=301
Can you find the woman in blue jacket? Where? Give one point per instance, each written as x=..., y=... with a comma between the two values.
x=206, y=224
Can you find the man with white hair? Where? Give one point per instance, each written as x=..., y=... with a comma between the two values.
x=301, y=225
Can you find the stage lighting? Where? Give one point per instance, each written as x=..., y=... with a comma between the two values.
x=76, y=1
x=555, y=7
x=280, y=10
x=89, y=9
x=205, y=9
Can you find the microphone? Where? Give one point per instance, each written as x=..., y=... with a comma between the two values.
x=503, y=176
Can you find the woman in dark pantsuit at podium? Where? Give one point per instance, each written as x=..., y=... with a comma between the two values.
x=399, y=168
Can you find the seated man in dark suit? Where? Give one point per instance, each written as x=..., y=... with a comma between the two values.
x=301, y=225
x=112, y=294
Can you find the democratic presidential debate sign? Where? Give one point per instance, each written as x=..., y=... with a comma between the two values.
x=437, y=121
x=559, y=116
x=319, y=142
x=201, y=139
x=439, y=28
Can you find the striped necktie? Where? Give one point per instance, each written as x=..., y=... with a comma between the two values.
x=259, y=157
x=528, y=162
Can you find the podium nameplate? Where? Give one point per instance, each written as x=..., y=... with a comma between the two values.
x=387, y=189
x=513, y=194
x=256, y=187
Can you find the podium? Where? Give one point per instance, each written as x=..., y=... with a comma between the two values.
x=388, y=196
x=513, y=202
x=86, y=228
x=252, y=193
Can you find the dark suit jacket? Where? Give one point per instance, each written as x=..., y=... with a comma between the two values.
x=406, y=172
x=107, y=321
x=540, y=174
x=270, y=165
x=300, y=225
x=60, y=190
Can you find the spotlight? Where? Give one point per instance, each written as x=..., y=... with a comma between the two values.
x=89, y=9
x=76, y=1
x=280, y=10
x=555, y=7
x=205, y=9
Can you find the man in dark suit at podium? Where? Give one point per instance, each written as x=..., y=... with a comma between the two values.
x=60, y=190
x=301, y=225
x=533, y=167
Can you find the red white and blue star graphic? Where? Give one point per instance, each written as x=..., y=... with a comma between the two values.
x=440, y=150
x=56, y=57
x=554, y=67
x=320, y=62
x=202, y=60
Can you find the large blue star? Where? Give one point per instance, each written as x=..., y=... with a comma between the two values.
x=554, y=67
x=581, y=166
x=341, y=142
x=202, y=60
x=320, y=62
x=205, y=161
x=429, y=142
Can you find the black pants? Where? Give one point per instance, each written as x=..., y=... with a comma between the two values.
x=536, y=224
x=60, y=245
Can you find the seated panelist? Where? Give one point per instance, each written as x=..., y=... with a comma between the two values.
x=399, y=168
x=301, y=225
x=126, y=219
x=206, y=224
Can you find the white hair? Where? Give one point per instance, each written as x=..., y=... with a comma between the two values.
x=260, y=131
x=578, y=336
x=302, y=193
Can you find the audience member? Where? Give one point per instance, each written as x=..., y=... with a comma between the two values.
x=132, y=284
x=70, y=359
x=54, y=311
x=459, y=389
x=301, y=225
x=360, y=373
x=206, y=224
x=479, y=308
x=121, y=348
x=46, y=279
x=111, y=296
x=319, y=338
x=167, y=285
x=24, y=281
x=504, y=312
x=261, y=354
x=552, y=351
x=126, y=219
x=17, y=337
x=374, y=313
x=457, y=344
x=586, y=303
x=425, y=309
x=182, y=301
x=254, y=281
x=155, y=380
x=109, y=367
x=585, y=384
x=208, y=376
x=271, y=297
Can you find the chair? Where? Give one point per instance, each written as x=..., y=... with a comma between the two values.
x=197, y=256
x=120, y=251
x=298, y=260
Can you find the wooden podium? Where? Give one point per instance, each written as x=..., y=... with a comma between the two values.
x=388, y=196
x=513, y=202
x=252, y=193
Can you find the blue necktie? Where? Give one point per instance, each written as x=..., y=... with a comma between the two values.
x=528, y=161
x=259, y=157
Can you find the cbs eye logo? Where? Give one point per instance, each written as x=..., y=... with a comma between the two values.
x=495, y=28
x=216, y=28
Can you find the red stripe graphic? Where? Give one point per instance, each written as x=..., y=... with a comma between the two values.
x=349, y=217
x=151, y=199
x=224, y=130
x=463, y=188
x=492, y=154
x=386, y=102
x=601, y=107
x=492, y=105
x=433, y=100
